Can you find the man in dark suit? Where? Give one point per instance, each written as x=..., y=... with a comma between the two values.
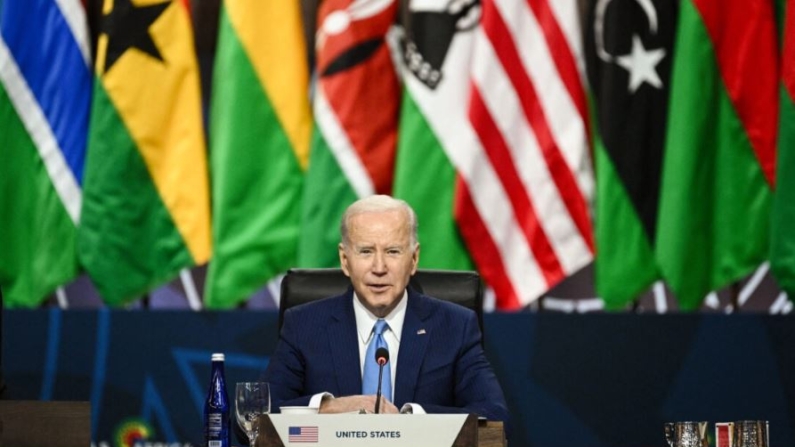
x=436, y=361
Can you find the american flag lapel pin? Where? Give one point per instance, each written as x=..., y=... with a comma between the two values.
x=421, y=332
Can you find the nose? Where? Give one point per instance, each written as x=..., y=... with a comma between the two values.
x=379, y=264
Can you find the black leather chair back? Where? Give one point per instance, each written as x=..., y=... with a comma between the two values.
x=301, y=286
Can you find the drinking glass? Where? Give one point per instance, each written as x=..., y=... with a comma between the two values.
x=751, y=434
x=252, y=399
x=686, y=434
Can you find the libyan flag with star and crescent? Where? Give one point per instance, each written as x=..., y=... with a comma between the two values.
x=686, y=144
x=146, y=207
x=629, y=48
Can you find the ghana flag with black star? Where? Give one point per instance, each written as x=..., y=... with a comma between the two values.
x=629, y=49
x=146, y=198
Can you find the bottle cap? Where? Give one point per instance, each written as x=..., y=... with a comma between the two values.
x=218, y=357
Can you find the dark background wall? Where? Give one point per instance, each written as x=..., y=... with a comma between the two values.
x=571, y=380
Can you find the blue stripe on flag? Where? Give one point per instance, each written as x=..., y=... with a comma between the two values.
x=49, y=58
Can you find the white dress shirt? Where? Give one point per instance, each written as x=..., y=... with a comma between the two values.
x=365, y=323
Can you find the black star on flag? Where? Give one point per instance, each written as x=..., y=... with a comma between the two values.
x=127, y=26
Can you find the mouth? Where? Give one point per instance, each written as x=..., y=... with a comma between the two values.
x=378, y=288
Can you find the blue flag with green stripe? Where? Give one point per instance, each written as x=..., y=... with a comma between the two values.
x=45, y=93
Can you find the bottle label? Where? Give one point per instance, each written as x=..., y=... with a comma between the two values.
x=214, y=425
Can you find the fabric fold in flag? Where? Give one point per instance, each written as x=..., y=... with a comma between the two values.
x=435, y=56
x=719, y=161
x=510, y=117
x=629, y=52
x=782, y=251
x=45, y=98
x=146, y=198
x=260, y=124
x=356, y=100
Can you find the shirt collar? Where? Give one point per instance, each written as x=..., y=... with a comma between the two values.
x=365, y=320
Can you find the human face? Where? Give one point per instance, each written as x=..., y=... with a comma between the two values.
x=379, y=258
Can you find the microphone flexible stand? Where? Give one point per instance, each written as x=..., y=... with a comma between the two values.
x=378, y=393
x=381, y=357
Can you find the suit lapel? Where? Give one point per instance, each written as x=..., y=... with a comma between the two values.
x=413, y=343
x=345, y=347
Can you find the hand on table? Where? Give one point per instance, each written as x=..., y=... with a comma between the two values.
x=350, y=404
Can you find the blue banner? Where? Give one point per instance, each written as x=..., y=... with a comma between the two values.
x=572, y=380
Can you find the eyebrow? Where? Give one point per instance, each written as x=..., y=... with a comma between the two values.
x=388, y=247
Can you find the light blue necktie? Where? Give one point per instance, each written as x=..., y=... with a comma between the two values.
x=370, y=379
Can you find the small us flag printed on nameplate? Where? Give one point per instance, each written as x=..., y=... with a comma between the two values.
x=302, y=434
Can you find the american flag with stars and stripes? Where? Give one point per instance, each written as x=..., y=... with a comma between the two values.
x=302, y=434
x=531, y=227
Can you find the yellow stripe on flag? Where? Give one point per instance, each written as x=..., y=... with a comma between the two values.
x=160, y=103
x=271, y=31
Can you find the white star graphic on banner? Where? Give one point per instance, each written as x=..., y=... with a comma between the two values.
x=641, y=65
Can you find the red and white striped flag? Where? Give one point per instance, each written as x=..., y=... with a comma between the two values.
x=531, y=226
x=497, y=86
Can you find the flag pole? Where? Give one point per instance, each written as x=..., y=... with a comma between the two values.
x=190, y=289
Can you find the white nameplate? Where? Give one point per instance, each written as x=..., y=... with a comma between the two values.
x=368, y=430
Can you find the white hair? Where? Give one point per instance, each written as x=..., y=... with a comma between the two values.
x=375, y=204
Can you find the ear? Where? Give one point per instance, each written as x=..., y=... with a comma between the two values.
x=343, y=260
x=415, y=259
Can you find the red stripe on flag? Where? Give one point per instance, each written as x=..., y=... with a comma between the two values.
x=526, y=218
x=365, y=94
x=788, y=52
x=743, y=33
x=487, y=256
x=502, y=41
x=365, y=100
x=563, y=57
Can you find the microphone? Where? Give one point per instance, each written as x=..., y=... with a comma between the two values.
x=381, y=357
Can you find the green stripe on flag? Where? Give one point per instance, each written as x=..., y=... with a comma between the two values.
x=782, y=255
x=624, y=267
x=256, y=180
x=713, y=222
x=326, y=195
x=126, y=236
x=425, y=178
x=37, y=235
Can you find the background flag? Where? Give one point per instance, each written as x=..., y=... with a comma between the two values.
x=435, y=46
x=260, y=126
x=498, y=87
x=356, y=101
x=146, y=202
x=526, y=186
x=629, y=49
x=719, y=161
x=45, y=88
x=782, y=255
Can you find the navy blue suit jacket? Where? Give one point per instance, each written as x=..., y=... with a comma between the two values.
x=441, y=364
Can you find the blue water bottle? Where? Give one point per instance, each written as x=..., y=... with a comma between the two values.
x=216, y=407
